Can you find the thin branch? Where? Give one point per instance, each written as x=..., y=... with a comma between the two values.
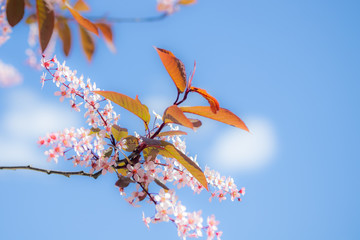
x=66, y=174
x=126, y=20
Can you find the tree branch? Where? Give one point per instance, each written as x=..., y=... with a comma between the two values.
x=66, y=174
x=126, y=20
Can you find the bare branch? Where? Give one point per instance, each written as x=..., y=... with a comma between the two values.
x=126, y=20
x=66, y=174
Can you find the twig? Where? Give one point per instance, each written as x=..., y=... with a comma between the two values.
x=126, y=20
x=66, y=174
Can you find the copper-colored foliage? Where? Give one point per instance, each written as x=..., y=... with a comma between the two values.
x=87, y=43
x=223, y=115
x=14, y=11
x=64, y=34
x=174, y=67
x=87, y=24
x=173, y=114
x=130, y=104
x=214, y=104
x=46, y=19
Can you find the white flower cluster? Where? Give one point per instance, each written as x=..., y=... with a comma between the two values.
x=5, y=28
x=89, y=148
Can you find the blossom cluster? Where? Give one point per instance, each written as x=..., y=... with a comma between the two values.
x=90, y=148
x=5, y=28
x=171, y=6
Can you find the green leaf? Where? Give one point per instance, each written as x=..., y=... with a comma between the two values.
x=118, y=132
x=168, y=150
x=173, y=114
x=223, y=115
x=14, y=11
x=46, y=20
x=130, y=104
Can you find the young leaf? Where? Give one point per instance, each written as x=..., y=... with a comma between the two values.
x=196, y=123
x=174, y=67
x=168, y=150
x=123, y=181
x=173, y=114
x=187, y=2
x=46, y=18
x=108, y=152
x=131, y=143
x=214, y=104
x=118, y=132
x=158, y=182
x=31, y=19
x=82, y=21
x=108, y=36
x=87, y=43
x=171, y=133
x=64, y=34
x=223, y=115
x=14, y=11
x=132, y=105
x=81, y=5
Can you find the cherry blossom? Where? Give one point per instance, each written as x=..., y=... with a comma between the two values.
x=96, y=148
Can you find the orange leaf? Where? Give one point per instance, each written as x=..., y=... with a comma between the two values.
x=196, y=123
x=214, y=104
x=174, y=67
x=173, y=114
x=223, y=115
x=171, y=133
x=64, y=34
x=14, y=11
x=187, y=2
x=87, y=43
x=107, y=32
x=81, y=5
x=46, y=19
x=82, y=21
x=130, y=104
x=168, y=150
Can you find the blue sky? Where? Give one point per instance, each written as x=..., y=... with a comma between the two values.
x=289, y=69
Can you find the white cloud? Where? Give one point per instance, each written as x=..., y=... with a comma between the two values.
x=241, y=151
x=26, y=118
x=9, y=75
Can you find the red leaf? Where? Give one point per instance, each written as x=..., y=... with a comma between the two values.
x=214, y=104
x=187, y=2
x=14, y=11
x=108, y=35
x=223, y=115
x=46, y=18
x=83, y=21
x=173, y=114
x=171, y=133
x=174, y=67
x=87, y=43
x=81, y=5
x=64, y=34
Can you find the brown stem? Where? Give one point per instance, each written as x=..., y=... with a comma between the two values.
x=66, y=174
